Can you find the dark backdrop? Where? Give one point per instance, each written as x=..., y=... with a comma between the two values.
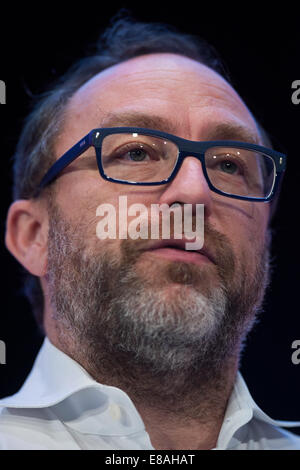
x=261, y=51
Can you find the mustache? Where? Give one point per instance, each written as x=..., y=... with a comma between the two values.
x=216, y=244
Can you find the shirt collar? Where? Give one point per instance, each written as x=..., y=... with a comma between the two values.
x=57, y=381
x=53, y=377
x=241, y=409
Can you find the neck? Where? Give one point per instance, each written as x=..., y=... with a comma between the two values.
x=187, y=415
x=181, y=410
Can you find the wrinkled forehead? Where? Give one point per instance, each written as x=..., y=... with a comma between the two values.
x=176, y=87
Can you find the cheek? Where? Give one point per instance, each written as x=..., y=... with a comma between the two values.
x=246, y=231
x=257, y=227
x=105, y=214
x=78, y=199
x=78, y=194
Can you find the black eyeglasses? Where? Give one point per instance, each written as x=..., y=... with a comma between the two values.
x=146, y=157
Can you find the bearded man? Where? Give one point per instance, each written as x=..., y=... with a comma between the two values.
x=142, y=336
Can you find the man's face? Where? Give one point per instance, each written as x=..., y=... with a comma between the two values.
x=177, y=95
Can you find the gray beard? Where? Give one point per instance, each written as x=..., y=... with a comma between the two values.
x=127, y=332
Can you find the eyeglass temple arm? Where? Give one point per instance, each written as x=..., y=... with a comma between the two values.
x=65, y=160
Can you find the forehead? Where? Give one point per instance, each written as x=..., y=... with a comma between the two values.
x=187, y=94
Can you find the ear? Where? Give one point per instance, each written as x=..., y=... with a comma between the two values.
x=27, y=234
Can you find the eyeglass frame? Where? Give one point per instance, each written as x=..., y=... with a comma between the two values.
x=186, y=148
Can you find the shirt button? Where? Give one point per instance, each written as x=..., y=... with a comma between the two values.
x=115, y=411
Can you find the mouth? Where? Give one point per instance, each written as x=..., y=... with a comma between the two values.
x=175, y=250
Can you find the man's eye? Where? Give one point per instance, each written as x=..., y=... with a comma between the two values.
x=137, y=155
x=229, y=167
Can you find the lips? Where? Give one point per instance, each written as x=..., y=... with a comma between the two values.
x=162, y=246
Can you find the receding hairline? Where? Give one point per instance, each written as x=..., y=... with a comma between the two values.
x=159, y=56
x=114, y=119
x=139, y=64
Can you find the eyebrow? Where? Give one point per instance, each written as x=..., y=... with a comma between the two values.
x=137, y=119
x=220, y=131
x=232, y=131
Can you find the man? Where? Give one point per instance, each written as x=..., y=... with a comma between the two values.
x=143, y=336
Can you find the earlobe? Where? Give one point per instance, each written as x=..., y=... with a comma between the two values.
x=27, y=235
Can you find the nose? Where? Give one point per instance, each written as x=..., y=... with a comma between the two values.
x=189, y=187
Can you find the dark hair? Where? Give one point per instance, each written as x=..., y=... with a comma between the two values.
x=125, y=38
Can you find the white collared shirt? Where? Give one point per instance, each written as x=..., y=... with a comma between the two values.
x=60, y=406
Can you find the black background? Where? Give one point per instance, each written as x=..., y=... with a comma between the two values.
x=261, y=50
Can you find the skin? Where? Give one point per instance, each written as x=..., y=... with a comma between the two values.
x=193, y=100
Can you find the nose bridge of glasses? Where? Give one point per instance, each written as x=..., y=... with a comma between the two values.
x=192, y=155
x=184, y=153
